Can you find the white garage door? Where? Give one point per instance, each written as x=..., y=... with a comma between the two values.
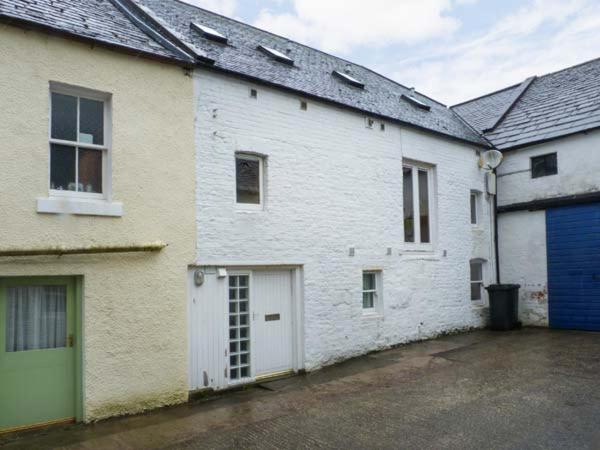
x=241, y=327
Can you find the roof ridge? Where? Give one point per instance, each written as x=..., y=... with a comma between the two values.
x=574, y=66
x=516, y=96
x=512, y=86
x=147, y=22
x=308, y=47
x=125, y=7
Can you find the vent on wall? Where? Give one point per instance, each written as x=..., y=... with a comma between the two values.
x=348, y=79
x=415, y=102
x=276, y=54
x=209, y=33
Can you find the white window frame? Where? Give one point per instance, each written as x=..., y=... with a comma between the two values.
x=476, y=197
x=57, y=88
x=377, y=292
x=261, y=194
x=82, y=203
x=482, y=263
x=419, y=246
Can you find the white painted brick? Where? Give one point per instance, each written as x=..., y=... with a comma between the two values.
x=333, y=184
x=523, y=234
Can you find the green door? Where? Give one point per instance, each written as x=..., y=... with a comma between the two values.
x=37, y=351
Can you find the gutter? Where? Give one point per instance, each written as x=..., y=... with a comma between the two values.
x=89, y=250
x=538, y=205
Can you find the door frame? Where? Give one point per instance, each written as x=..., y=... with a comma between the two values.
x=77, y=284
x=297, y=316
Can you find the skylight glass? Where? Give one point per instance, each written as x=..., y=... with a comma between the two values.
x=416, y=102
x=348, y=79
x=281, y=57
x=209, y=32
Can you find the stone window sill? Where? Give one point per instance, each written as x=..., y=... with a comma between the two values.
x=79, y=206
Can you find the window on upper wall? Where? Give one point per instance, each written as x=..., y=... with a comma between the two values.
x=249, y=180
x=544, y=165
x=418, y=203
x=475, y=207
x=79, y=143
x=370, y=290
x=476, y=280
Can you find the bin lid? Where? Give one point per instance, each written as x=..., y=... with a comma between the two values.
x=503, y=287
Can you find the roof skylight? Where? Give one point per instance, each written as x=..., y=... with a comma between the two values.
x=209, y=33
x=416, y=102
x=348, y=79
x=276, y=54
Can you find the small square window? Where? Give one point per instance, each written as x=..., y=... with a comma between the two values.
x=248, y=179
x=370, y=291
x=476, y=280
x=544, y=165
x=303, y=105
x=253, y=93
x=369, y=122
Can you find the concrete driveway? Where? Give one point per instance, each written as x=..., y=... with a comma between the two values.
x=533, y=388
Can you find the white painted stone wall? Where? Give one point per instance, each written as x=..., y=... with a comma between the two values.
x=523, y=261
x=523, y=234
x=578, y=162
x=333, y=184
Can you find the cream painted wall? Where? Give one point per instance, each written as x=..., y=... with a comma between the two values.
x=135, y=333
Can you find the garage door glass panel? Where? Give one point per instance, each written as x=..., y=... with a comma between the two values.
x=239, y=328
x=36, y=318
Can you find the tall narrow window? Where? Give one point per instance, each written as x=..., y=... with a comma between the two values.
x=370, y=290
x=476, y=280
x=248, y=178
x=78, y=144
x=409, y=212
x=474, y=208
x=418, y=200
x=424, y=205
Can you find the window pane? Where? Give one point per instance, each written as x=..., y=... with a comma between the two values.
x=476, y=271
x=544, y=165
x=90, y=171
x=91, y=121
x=64, y=117
x=476, y=289
x=409, y=215
x=368, y=281
x=247, y=181
x=474, y=209
x=62, y=167
x=36, y=318
x=551, y=164
x=424, y=205
x=368, y=301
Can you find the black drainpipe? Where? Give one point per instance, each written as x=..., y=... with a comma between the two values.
x=496, y=246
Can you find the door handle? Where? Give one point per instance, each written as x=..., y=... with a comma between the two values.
x=70, y=340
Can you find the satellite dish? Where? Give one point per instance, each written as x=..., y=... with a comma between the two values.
x=491, y=159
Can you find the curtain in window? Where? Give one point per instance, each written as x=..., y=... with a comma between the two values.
x=36, y=318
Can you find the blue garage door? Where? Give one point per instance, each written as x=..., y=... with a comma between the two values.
x=573, y=239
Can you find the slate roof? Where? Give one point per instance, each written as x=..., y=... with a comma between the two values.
x=98, y=20
x=551, y=106
x=311, y=73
